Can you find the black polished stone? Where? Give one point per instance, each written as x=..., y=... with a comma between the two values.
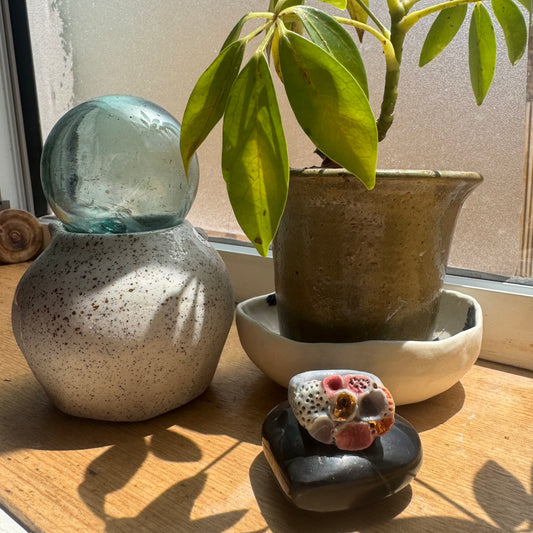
x=320, y=477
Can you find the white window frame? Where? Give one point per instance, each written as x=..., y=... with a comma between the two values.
x=507, y=307
x=16, y=186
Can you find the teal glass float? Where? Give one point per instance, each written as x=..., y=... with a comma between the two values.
x=112, y=165
x=124, y=315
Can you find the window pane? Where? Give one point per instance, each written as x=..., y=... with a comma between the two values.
x=157, y=50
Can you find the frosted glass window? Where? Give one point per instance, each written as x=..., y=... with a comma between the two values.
x=157, y=49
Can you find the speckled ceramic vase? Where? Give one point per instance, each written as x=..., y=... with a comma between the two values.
x=127, y=326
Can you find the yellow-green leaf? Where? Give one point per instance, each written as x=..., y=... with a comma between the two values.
x=235, y=33
x=284, y=4
x=514, y=28
x=526, y=4
x=358, y=14
x=275, y=53
x=341, y=4
x=327, y=33
x=255, y=163
x=442, y=32
x=481, y=52
x=330, y=106
x=207, y=101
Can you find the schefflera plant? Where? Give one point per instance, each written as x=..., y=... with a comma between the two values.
x=325, y=80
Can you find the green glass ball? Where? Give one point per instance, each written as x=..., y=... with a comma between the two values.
x=113, y=165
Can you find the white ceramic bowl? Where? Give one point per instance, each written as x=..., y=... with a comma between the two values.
x=412, y=370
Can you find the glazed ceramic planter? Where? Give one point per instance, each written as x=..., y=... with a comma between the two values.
x=353, y=265
x=125, y=326
x=413, y=371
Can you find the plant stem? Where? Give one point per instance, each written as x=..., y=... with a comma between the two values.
x=393, y=64
x=257, y=31
x=410, y=20
x=396, y=9
x=401, y=23
x=408, y=4
x=271, y=27
x=260, y=15
x=383, y=39
x=373, y=17
x=390, y=91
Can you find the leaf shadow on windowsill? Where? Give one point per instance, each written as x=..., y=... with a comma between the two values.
x=29, y=420
x=281, y=515
x=115, y=468
x=494, y=488
x=512, y=496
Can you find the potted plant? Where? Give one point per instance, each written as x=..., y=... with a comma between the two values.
x=351, y=263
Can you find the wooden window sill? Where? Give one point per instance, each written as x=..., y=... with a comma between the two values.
x=201, y=467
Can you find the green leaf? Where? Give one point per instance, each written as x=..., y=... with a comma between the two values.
x=514, y=28
x=341, y=4
x=327, y=33
x=359, y=14
x=275, y=53
x=255, y=163
x=481, y=52
x=284, y=4
x=442, y=32
x=208, y=99
x=235, y=33
x=330, y=106
x=526, y=4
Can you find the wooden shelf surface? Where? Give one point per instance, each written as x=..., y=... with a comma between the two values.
x=201, y=467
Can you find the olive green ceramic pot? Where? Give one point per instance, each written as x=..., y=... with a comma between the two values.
x=353, y=265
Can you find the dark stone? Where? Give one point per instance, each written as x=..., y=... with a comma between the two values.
x=320, y=477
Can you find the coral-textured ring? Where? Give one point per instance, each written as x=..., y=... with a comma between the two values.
x=346, y=408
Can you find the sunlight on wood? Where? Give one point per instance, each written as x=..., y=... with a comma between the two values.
x=201, y=468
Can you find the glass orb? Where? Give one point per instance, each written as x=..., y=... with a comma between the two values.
x=113, y=165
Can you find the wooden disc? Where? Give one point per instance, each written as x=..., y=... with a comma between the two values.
x=21, y=236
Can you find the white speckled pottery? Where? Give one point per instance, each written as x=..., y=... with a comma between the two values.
x=124, y=327
x=412, y=371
